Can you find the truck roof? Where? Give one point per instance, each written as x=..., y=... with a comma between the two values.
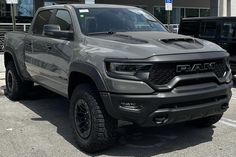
x=88, y=6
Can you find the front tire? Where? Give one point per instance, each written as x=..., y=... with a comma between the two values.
x=207, y=121
x=15, y=87
x=94, y=129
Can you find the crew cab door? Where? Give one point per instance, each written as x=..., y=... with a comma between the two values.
x=60, y=51
x=36, y=49
x=48, y=61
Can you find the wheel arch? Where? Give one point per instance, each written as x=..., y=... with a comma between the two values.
x=8, y=57
x=84, y=73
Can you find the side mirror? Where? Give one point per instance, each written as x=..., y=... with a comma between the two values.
x=56, y=32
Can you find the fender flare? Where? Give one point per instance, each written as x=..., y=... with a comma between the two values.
x=91, y=71
x=11, y=52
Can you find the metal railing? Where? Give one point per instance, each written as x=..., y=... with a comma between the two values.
x=1, y=43
x=7, y=27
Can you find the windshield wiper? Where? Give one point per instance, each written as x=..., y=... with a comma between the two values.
x=101, y=33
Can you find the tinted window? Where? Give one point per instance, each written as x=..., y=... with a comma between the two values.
x=63, y=19
x=228, y=30
x=192, y=12
x=205, y=12
x=189, y=28
x=208, y=29
x=42, y=19
x=94, y=20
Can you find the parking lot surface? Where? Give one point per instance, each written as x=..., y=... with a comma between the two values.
x=39, y=127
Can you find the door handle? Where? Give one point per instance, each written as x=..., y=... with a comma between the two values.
x=49, y=47
x=29, y=44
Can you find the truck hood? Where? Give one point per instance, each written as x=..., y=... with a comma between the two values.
x=146, y=44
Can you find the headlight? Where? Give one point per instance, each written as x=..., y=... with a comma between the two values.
x=127, y=68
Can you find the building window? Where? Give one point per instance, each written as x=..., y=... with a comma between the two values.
x=160, y=14
x=175, y=15
x=142, y=7
x=178, y=13
x=204, y=12
x=49, y=2
x=192, y=12
x=25, y=8
x=4, y=9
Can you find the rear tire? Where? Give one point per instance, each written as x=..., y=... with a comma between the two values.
x=94, y=129
x=206, y=122
x=16, y=89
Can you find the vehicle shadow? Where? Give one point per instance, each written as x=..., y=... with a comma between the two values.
x=133, y=141
x=152, y=141
x=234, y=83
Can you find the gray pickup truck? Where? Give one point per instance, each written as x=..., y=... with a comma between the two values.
x=117, y=63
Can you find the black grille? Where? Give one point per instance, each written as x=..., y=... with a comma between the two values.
x=163, y=73
x=193, y=103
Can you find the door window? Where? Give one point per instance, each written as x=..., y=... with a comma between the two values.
x=63, y=19
x=228, y=30
x=42, y=19
x=208, y=29
x=189, y=28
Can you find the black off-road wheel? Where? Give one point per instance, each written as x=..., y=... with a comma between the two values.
x=94, y=129
x=206, y=122
x=16, y=89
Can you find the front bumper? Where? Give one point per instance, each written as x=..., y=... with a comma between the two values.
x=178, y=105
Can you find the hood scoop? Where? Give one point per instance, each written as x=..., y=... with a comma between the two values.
x=130, y=39
x=183, y=43
x=123, y=38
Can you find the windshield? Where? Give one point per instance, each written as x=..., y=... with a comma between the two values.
x=111, y=20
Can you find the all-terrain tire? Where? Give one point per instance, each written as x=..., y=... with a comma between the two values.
x=16, y=89
x=207, y=121
x=87, y=111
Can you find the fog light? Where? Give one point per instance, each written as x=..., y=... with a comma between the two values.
x=161, y=119
x=131, y=106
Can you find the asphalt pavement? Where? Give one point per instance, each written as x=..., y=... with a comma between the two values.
x=39, y=127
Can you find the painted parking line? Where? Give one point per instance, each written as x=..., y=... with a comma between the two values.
x=229, y=120
x=228, y=123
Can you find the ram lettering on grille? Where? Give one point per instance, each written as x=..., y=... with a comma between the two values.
x=195, y=67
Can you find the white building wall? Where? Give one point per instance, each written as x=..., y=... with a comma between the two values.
x=223, y=7
x=233, y=7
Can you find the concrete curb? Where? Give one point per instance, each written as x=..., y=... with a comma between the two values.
x=2, y=83
x=2, y=75
x=1, y=92
x=2, y=88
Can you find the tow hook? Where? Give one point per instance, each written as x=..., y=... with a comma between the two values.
x=161, y=119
